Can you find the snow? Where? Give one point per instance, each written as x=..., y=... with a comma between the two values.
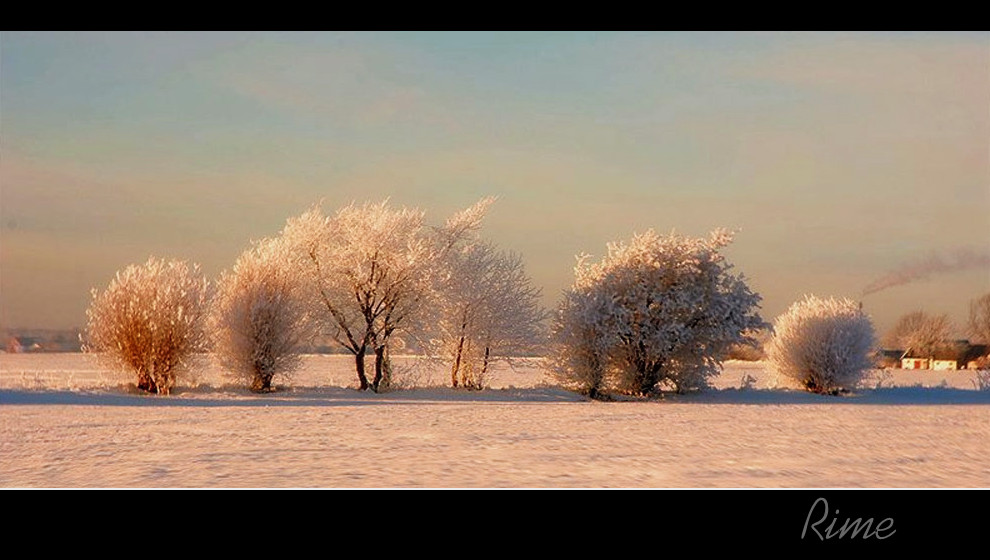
x=67, y=422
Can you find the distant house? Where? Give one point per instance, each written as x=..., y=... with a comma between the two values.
x=978, y=356
x=888, y=358
x=914, y=363
x=959, y=354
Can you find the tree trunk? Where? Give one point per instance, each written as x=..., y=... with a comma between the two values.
x=457, y=362
x=145, y=383
x=264, y=371
x=381, y=368
x=649, y=375
x=359, y=364
x=262, y=383
x=150, y=383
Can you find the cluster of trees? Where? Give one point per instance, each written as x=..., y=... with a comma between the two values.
x=656, y=313
x=920, y=332
x=827, y=344
x=924, y=334
x=370, y=277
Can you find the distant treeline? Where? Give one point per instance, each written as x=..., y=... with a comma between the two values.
x=40, y=340
x=15, y=341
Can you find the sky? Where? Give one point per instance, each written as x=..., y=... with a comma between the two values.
x=844, y=161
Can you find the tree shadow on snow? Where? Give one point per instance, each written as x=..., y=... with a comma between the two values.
x=915, y=395
x=234, y=396
x=285, y=397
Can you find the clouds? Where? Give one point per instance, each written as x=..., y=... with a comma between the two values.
x=846, y=152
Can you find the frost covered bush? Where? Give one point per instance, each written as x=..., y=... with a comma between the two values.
x=578, y=347
x=823, y=344
x=752, y=350
x=260, y=315
x=658, y=311
x=149, y=320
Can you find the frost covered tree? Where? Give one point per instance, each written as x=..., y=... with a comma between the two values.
x=823, y=344
x=662, y=310
x=259, y=315
x=372, y=271
x=920, y=333
x=489, y=310
x=979, y=319
x=149, y=320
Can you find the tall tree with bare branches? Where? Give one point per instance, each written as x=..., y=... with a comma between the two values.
x=920, y=333
x=372, y=270
x=979, y=319
x=489, y=310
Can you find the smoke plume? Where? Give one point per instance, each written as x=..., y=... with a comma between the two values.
x=958, y=260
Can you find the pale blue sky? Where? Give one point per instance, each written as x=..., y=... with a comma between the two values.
x=839, y=157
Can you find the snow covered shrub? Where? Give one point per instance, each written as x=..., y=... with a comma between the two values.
x=150, y=320
x=578, y=347
x=259, y=315
x=661, y=310
x=489, y=310
x=752, y=350
x=823, y=344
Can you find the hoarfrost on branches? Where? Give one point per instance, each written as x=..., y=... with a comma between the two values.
x=657, y=311
x=149, y=320
x=979, y=319
x=260, y=315
x=823, y=344
x=489, y=310
x=579, y=347
x=372, y=271
x=920, y=333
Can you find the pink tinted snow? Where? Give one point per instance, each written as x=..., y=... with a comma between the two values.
x=66, y=422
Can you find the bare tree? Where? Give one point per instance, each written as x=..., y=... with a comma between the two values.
x=920, y=333
x=979, y=319
x=149, y=320
x=824, y=344
x=490, y=310
x=372, y=270
x=259, y=315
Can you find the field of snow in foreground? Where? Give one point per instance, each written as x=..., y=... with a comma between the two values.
x=67, y=422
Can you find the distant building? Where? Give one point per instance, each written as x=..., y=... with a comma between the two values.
x=889, y=358
x=41, y=340
x=914, y=363
x=959, y=354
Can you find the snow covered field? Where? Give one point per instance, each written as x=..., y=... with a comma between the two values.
x=67, y=422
